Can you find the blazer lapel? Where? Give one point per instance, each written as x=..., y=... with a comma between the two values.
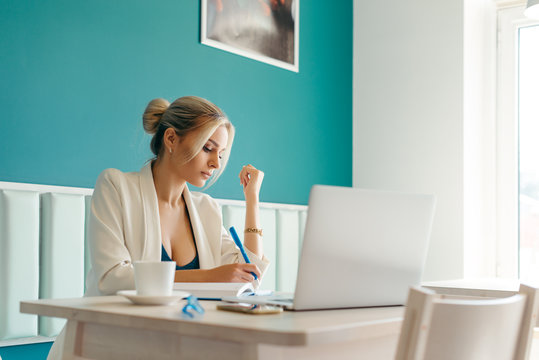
x=152, y=237
x=204, y=253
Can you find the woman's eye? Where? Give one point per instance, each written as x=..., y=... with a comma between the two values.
x=208, y=150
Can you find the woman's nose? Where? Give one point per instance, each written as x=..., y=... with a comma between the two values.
x=215, y=162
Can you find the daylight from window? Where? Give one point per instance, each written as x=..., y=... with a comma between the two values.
x=528, y=117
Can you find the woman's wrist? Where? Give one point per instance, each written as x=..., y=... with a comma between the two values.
x=254, y=230
x=251, y=200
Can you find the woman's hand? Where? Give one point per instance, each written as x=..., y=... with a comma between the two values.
x=251, y=178
x=234, y=273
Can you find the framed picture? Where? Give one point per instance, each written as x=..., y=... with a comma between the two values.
x=264, y=30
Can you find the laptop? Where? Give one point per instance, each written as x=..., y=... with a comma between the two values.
x=361, y=248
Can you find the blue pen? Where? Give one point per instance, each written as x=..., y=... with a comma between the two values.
x=240, y=245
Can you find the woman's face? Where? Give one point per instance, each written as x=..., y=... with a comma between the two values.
x=199, y=169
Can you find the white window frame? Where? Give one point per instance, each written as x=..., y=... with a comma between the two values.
x=510, y=19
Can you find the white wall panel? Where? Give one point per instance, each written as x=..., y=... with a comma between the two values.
x=87, y=202
x=287, y=249
x=19, y=261
x=62, y=252
x=267, y=221
x=234, y=216
x=302, y=223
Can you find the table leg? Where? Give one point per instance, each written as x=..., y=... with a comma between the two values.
x=72, y=336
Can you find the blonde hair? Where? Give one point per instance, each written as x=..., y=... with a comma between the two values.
x=186, y=115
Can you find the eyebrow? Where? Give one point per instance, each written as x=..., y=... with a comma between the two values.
x=214, y=143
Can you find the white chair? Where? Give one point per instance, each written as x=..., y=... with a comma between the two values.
x=438, y=327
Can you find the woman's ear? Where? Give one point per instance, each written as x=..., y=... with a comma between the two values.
x=170, y=138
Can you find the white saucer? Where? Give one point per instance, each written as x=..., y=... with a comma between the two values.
x=153, y=300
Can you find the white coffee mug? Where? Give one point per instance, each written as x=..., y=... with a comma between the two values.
x=154, y=278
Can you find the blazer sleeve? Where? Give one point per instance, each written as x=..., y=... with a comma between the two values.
x=110, y=259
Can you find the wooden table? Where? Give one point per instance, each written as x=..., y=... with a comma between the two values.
x=111, y=327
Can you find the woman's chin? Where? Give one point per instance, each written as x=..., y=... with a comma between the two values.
x=198, y=184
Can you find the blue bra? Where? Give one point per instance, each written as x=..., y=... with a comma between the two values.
x=194, y=264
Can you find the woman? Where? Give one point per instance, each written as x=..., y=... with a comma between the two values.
x=152, y=215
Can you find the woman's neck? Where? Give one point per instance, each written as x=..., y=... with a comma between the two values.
x=169, y=190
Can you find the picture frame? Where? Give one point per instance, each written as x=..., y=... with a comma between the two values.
x=263, y=30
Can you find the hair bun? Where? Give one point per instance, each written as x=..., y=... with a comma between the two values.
x=152, y=115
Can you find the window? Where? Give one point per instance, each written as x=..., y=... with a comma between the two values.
x=528, y=120
x=518, y=146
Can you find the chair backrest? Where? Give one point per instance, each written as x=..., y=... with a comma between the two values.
x=441, y=327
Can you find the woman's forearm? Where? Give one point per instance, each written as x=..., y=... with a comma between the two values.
x=252, y=240
x=251, y=179
x=224, y=273
x=191, y=276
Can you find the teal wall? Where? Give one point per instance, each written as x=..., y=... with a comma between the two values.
x=75, y=77
x=26, y=352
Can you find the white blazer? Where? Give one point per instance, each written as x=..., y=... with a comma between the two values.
x=124, y=227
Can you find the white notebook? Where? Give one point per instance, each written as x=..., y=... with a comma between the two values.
x=217, y=290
